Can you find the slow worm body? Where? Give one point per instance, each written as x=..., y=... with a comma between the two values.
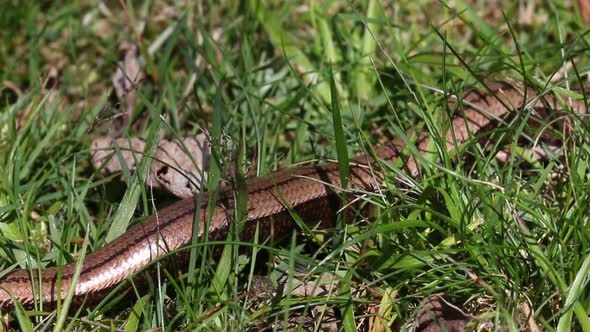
x=311, y=192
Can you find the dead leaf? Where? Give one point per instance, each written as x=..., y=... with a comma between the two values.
x=435, y=314
x=105, y=158
x=176, y=170
x=125, y=81
x=528, y=315
x=181, y=171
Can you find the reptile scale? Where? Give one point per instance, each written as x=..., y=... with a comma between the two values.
x=312, y=192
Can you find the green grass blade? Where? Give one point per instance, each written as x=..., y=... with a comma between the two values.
x=129, y=202
x=574, y=293
x=364, y=78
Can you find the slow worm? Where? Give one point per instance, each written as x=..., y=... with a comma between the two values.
x=312, y=192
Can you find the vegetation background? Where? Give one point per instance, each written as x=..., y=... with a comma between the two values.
x=261, y=77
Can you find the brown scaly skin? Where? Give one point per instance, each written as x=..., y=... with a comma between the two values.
x=310, y=191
